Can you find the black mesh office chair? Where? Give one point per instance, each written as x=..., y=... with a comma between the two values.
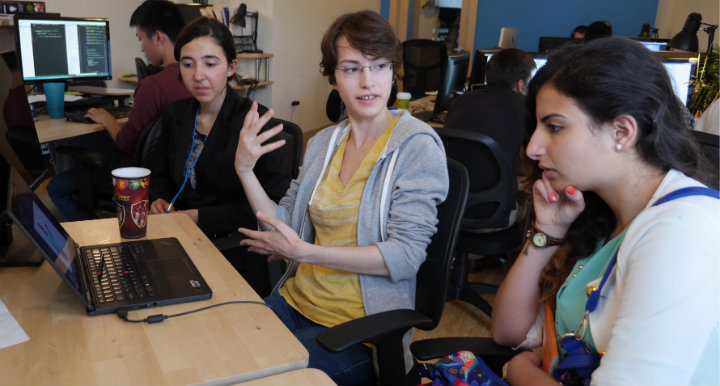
x=486, y=229
x=709, y=144
x=142, y=69
x=385, y=330
x=293, y=148
x=423, y=66
x=98, y=195
x=254, y=263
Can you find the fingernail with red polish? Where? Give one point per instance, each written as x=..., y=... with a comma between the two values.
x=570, y=190
x=554, y=197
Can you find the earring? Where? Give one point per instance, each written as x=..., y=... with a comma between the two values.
x=618, y=147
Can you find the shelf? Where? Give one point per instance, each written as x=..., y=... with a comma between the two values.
x=260, y=60
x=249, y=55
x=129, y=79
x=260, y=84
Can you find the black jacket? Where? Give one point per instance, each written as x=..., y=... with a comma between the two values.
x=219, y=196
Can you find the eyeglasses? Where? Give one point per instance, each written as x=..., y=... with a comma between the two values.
x=375, y=69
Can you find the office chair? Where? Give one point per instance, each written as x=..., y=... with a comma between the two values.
x=423, y=66
x=486, y=229
x=385, y=330
x=709, y=144
x=294, y=142
x=101, y=196
x=140, y=69
x=143, y=70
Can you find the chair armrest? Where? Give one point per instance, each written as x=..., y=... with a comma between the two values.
x=83, y=154
x=231, y=241
x=492, y=353
x=376, y=329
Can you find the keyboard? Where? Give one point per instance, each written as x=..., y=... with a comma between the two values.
x=115, y=274
x=429, y=115
x=78, y=114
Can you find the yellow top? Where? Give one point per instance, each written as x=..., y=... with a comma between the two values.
x=328, y=296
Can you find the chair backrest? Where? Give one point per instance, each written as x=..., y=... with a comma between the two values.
x=709, y=144
x=493, y=184
x=434, y=274
x=293, y=148
x=424, y=64
x=22, y=149
x=141, y=69
x=147, y=140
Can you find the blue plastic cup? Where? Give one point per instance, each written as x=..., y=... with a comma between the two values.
x=55, y=99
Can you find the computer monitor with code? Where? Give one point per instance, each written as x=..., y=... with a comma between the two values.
x=55, y=49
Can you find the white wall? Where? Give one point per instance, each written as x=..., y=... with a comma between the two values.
x=298, y=27
x=671, y=16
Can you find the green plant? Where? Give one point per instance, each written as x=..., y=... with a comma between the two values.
x=705, y=83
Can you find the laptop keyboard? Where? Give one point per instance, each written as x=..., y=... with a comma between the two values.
x=115, y=274
x=78, y=114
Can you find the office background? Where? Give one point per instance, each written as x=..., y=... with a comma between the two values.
x=292, y=31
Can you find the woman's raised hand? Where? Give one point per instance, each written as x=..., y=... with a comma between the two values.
x=282, y=242
x=555, y=212
x=250, y=145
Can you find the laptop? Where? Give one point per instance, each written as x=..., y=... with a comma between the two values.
x=108, y=277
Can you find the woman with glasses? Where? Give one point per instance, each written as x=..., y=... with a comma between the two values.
x=355, y=224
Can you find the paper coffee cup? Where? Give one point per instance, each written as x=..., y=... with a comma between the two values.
x=132, y=194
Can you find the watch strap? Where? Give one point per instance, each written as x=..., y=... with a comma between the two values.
x=551, y=241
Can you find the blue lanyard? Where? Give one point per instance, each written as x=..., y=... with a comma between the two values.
x=188, y=167
x=684, y=192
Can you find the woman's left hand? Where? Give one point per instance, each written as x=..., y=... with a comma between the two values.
x=526, y=369
x=283, y=242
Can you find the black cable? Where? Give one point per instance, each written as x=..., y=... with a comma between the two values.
x=157, y=318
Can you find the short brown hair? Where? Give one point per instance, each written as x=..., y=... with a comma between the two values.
x=366, y=31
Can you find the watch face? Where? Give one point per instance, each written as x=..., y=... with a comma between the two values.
x=539, y=240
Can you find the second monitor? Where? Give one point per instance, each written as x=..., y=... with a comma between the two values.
x=60, y=48
x=453, y=79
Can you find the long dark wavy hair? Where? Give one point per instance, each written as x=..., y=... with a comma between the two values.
x=607, y=78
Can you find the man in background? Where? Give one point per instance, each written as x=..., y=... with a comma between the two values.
x=157, y=23
x=498, y=110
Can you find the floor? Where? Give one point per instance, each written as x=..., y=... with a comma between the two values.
x=463, y=319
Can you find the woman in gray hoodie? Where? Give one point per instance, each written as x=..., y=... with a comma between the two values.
x=355, y=224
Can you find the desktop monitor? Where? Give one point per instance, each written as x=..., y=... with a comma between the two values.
x=453, y=79
x=653, y=44
x=549, y=43
x=680, y=72
x=56, y=49
x=477, y=74
x=508, y=37
x=539, y=62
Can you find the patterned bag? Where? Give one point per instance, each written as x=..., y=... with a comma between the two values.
x=460, y=369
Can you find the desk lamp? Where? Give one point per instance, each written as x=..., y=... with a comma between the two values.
x=686, y=39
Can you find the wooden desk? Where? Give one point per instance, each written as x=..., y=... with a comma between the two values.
x=426, y=103
x=304, y=377
x=223, y=345
x=49, y=130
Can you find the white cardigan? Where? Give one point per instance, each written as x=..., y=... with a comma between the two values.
x=658, y=319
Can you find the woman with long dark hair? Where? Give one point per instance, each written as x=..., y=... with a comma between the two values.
x=610, y=141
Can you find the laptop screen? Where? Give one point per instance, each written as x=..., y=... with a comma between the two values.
x=42, y=228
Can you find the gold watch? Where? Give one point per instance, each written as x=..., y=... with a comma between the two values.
x=540, y=239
